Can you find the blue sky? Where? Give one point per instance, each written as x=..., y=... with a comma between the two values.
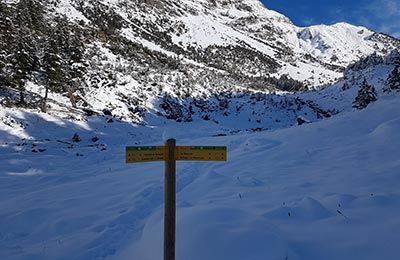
x=378, y=15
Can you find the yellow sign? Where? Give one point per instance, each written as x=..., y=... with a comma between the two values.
x=136, y=154
x=200, y=153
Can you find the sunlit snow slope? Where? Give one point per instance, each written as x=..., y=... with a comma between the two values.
x=315, y=55
x=327, y=190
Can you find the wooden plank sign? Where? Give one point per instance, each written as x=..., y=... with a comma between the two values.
x=200, y=153
x=135, y=154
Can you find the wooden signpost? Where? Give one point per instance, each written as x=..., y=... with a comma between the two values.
x=170, y=153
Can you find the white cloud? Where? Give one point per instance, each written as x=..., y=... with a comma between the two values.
x=385, y=8
x=381, y=15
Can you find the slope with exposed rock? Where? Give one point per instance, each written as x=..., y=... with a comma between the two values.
x=169, y=57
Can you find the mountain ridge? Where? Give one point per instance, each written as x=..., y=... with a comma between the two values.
x=138, y=51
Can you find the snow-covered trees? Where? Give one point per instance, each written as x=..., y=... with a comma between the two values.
x=35, y=47
x=365, y=62
x=366, y=95
x=62, y=61
x=393, y=80
x=18, y=42
x=7, y=35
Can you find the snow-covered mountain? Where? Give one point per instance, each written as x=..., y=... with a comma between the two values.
x=249, y=39
x=132, y=57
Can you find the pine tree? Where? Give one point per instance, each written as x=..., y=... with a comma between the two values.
x=75, y=67
x=7, y=41
x=19, y=25
x=63, y=59
x=366, y=95
x=393, y=80
x=51, y=64
x=24, y=49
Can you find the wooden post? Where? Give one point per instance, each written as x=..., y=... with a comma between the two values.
x=170, y=153
x=170, y=201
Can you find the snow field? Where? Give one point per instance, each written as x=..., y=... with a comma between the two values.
x=327, y=190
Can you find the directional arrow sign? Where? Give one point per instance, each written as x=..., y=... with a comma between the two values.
x=200, y=153
x=136, y=154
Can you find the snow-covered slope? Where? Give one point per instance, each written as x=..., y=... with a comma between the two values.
x=132, y=58
x=256, y=110
x=309, y=191
x=327, y=190
x=302, y=53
